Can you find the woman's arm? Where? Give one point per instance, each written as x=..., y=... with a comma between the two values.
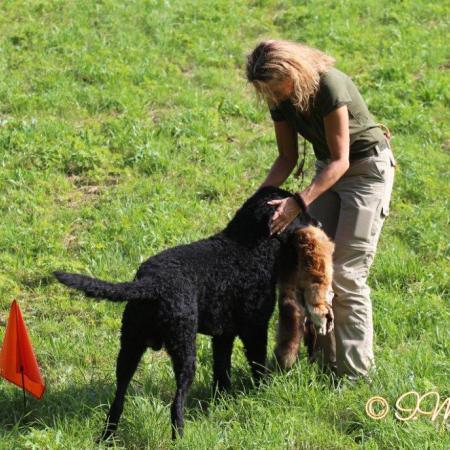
x=338, y=139
x=287, y=144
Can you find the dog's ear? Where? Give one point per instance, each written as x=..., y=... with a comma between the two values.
x=251, y=223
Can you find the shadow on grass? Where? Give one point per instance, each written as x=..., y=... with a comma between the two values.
x=84, y=401
x=75, y=401
x=200, y=395
x=91, y=400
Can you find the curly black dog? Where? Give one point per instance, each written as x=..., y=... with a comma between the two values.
x=223, y=286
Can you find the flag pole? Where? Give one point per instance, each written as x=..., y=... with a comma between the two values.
x=23, y=390
x=21, y=365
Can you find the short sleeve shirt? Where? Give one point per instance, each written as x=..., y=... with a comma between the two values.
x=335, y=89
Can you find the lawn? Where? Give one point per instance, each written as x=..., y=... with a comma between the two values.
x=128, y=127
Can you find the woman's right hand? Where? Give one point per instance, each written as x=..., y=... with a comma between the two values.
x=288, y=209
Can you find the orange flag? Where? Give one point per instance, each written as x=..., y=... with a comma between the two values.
x=17, y=361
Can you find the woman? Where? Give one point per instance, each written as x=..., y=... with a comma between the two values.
x=350, y=192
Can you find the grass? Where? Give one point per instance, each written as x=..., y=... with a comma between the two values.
x=128, y=127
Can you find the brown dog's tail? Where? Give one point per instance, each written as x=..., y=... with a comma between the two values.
x=93, y=287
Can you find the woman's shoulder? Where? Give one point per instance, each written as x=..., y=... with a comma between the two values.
x=333, y=76
x=334, y=91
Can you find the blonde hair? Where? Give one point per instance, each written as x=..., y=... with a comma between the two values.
x=277, y=60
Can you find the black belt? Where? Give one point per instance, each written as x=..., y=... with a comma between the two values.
x=377, y=149
x=365, y=154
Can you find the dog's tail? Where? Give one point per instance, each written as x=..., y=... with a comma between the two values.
x=93, y=287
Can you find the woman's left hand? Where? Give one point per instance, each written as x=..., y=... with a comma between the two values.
x=287, y=211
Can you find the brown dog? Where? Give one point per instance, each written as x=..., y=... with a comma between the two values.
x=312, y=282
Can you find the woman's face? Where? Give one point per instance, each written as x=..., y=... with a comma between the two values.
x=281, y=89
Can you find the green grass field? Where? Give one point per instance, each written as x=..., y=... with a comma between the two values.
x=128, y=127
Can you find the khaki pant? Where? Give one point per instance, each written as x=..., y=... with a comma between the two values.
x=352, y=213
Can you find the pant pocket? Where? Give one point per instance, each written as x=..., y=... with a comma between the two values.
x=363, y=223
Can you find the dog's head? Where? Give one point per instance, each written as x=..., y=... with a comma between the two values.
x=251, y=222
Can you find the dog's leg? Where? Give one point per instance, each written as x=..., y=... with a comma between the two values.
x=129, y=356
x=255, y=344
x=183, y=358
x=222, y=348
x=290, y=329
x=310, y=338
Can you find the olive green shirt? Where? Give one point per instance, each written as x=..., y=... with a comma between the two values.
x=335, y=89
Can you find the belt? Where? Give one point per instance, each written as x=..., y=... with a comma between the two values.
x=371, y=152
x=375, y=150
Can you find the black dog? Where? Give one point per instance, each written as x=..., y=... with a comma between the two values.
x=223, y=286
